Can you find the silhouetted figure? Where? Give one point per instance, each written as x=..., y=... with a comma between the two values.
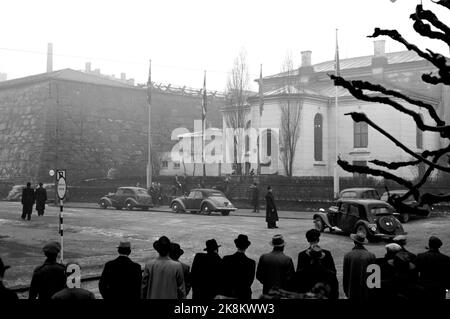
x=271, y=210
x=175, y=253
x=5, y=293
x=49, y=278
x=254, y=196
x=275, y=270
x=239, y=271
x=28, y=200
x=121, y=278
x=206, y=272
x=163, y=277
x=387, y=273
x=41, y=199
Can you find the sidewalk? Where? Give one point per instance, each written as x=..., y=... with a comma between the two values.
x=239, y=212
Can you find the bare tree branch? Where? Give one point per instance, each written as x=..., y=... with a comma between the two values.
x=394, y=165
x=425, y=29
x=445, y=3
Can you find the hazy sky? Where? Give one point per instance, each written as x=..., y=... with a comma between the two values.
x=183, y=38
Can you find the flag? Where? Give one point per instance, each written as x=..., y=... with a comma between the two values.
x=337, y=67
x=261, y=95
x=149, y=84
x=204, y=99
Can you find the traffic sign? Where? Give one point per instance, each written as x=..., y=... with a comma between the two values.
x=61, y=184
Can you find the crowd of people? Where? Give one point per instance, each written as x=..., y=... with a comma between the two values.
x=32, y=196
x=402, y=274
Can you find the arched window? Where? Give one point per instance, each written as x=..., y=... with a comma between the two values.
x=360, y=134
x=318, y=137
x=419, y=136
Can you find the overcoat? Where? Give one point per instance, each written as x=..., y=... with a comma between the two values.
x=47, y=280
x=271, y=209
x=28, y=199
x=206, y=276
x=434, y=273
x=355, y=273
x=41, y=198
x=239, y=273
x=275, y=270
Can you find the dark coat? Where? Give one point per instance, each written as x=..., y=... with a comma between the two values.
x=47, y=280
x=206, y=276
x=239, y=273
x=121, y=279
x=6, y=294
x=304, y=259
x=28, y=200
x=434, y=273
x=271, y=209
x=41, y=198
x=74, y=294
x=275, y=270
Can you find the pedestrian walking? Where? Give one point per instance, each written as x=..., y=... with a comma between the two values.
x=434, y=270
x=121, y=278
x=275, y=270
x=271, y=210
x=163, y=277
x=239, y=271
x=50, y=277
x=355, y=269
x=41, y=199
x=5, y=293
x=175, y=253
x=254, y=197
x=206, y=272
x=28, y=200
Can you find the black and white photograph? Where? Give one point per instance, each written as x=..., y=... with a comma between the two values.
x=228, y=156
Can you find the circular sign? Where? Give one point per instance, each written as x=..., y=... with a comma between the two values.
x=51, y=172
x=61, y=188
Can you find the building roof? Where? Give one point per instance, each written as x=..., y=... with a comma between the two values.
x=66, y=74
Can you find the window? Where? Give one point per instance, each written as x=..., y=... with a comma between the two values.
x=213, y=152
x=198, y=195
x=360, y=163
x=176, y=165
x=269, y=142
x=318, y=137
x=360, y=135
x=354, y=211
x=419, y=136
x=165, y=164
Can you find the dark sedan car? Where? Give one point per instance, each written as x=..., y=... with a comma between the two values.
x=129, y=197
x=411, y=207
x=375, y=218
x=203, y=200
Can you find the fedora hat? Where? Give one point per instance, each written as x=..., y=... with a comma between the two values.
x=359, y=238
x=175, y=250
x=3, y=267
x=162, y=243
x=434, y=243
x=393, y=248
x=242, y=241
x=277, y=241
x=211, y=244
x=124, y=244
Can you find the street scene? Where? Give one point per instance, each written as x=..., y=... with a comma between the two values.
x=188, y=151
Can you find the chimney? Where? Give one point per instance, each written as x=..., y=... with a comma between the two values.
x=123, y=76
x=50, y=57
x=379, y=48
x=306, y=59
x=87, y=67
x=379, y=59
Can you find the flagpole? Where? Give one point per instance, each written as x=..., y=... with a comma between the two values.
x=149, y=97
x=261, y=102
x=203, y=123
x=336, y=173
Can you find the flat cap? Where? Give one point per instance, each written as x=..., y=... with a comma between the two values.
x=52, y=248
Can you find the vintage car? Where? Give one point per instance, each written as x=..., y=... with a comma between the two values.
x=129, y=197
x=15, y=194
x=411, y=207
x=359, y=192
x=203, y=200
x=375, y=218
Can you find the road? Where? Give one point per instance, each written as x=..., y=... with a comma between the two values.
x=91, y=236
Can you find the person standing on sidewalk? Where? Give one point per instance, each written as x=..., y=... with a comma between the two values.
x=254, y=193
x=28, y=199
x=271, y=210
x=41, y=199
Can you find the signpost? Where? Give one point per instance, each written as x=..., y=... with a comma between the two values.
x=61, y=192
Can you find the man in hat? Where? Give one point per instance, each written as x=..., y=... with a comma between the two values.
x=50, y=277
x=405, y=281
x=355, y=269
x=387, y=272
x=41, y=199
x=163, y=277
x=239, y=271
x=121, y=278
x=434, y=270
x=275, y=269
x=401, y=240
x=28, y=199
x=73, y=292
x=206, y=272
x=271, y=210
x=175, y=254
x=5, y=293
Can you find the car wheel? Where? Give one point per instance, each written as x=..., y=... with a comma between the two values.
x=205, y=209
x=319, y=224
x=129, y=205
x=103, y=204
x=225, y=212
x=176, y=208
x=404, y=218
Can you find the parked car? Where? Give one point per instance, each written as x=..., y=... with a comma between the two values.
x=375, y=218
x=359, y=192
x=15, y=194
x=203, y=200
x=411, y=207
x=129, y=197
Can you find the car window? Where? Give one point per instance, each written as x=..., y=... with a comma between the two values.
x=344, y=208
x=353, y=211
x=384, y=197
x=380, y=210
x=128, y=192
x=119, y=192
x=219, y=194
x=191, y=194
x=198, y=195
x=141, y=191
x=348, y=195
